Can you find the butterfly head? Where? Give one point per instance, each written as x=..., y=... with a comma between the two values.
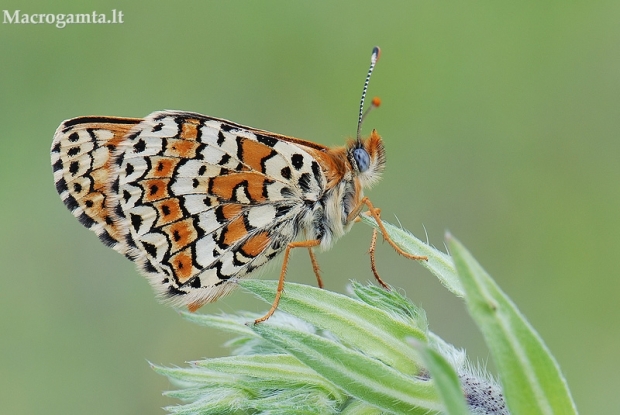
x=367, y=158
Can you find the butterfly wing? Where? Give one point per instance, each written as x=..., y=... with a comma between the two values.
x=193, y=200
x=81, y=161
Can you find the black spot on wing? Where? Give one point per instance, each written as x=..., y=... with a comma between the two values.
x=201, y=147
x=287, y=193
x=140, y=146
x=240, y=141
x=57, y=165
x=226, y=127
x=297, y=160
x=282, y=210
x=174, y=291
x=118, y=211
x=136, y=221
x=220, y=138
x=73, y=151
x=176, y=235
x=304, y=182
x=266, y=184
x=225, y=158
x=61, y=185
x=119, y=159
x=86, y=220
x=74, y=167
x=107, y=239
x=316, y=170
x=115, y=186
x=148, y=267
x=150, y=249
x=286, y=172
x=130, y=242
x=71, y=203
x=269, y=141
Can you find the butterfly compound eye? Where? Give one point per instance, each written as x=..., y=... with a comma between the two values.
x=362, y=159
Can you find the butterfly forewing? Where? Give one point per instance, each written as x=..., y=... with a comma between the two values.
x=81, y=157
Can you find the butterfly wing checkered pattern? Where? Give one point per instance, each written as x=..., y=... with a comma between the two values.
x=193, y=200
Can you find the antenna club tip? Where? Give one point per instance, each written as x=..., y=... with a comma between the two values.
x=376, y=101
x=376, y=53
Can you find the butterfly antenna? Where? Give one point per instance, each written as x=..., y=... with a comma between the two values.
x=376, y=52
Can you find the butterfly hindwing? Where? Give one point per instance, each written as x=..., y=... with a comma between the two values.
x=193, y=200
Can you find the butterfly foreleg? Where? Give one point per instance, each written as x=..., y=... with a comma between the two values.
x=373, y=267
x=375, y=213
x=300, y=244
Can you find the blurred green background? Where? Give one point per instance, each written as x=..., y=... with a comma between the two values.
x=501, y=123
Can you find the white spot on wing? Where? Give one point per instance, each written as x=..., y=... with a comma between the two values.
x=241, y=196
x=160, y=243
x=261, y=216
x=204, y=251
x=208, y=222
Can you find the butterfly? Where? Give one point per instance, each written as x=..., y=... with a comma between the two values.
x=198, y=202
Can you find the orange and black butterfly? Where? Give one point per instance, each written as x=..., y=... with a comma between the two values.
x=198, y=202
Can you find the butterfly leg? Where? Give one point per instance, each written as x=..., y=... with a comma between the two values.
x=315, y=267
x=373, y=267
x=299, y=244
x=374, y=212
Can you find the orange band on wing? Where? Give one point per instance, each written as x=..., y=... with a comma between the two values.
x=169, y=211
x=181, y=148
x=162, y=167
x=182, y=265
x=181, y=234
x=225, y=186
x=189, y=129
x=155, y=189
x=254, y=153
x=234, y=231
x=256, y=244
x=231, y=210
